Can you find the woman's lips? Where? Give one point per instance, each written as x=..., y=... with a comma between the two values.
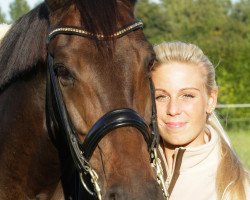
x=175, y=124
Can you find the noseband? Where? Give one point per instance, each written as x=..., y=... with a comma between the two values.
x=57, y=116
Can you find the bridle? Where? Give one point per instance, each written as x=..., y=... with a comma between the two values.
x=57, y=116
x=81, y=153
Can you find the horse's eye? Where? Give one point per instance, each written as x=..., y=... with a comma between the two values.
x=151, y=62
x=64, y=75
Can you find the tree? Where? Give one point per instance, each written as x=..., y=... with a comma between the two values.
x=153, y=18
x=236, y=83
x=2, y=16
x=18, y=8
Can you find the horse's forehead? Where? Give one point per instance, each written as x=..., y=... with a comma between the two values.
x=82, y=53
x=72, y=17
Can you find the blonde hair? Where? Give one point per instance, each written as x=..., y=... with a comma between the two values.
x=231, y=174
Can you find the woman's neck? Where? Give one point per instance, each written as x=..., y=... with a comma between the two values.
x=169, y=149
x=169, y=154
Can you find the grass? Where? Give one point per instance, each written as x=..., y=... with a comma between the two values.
x=241, y=144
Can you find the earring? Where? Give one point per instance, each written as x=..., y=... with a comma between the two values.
x=209, y=118
x=213, y=108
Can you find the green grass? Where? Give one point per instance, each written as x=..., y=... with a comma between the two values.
x=241, y=144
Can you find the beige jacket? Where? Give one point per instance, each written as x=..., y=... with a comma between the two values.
x=197, y=168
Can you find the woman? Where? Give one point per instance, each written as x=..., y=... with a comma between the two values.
x=197, y=154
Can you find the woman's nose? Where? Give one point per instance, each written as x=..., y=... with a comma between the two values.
x=173, y=108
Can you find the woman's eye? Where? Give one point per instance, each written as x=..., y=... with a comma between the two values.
x=188, y=96
x=161, y=98
x=151, y=63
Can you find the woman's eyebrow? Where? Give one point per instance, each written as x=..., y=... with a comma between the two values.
x=182, y=89
x=190, y=88
x=160, y=90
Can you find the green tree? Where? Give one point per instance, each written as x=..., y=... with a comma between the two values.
x=18, y=8
x=2, y=16
x=236, y=83
x=152, y=16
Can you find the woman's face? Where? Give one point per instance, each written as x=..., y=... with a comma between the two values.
x=182, y=103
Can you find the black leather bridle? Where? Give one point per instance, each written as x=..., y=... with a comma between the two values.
x=58, y=118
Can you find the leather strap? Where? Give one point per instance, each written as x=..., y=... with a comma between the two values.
x=113, y=120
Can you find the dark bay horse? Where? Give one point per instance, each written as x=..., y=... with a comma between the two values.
x=75, y=104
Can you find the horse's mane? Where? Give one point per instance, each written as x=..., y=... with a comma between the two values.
x=99, y=16
x=24, y=46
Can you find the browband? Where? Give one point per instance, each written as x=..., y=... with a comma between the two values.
x=136, y=24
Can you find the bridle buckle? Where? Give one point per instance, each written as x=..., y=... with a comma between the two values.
x=156, y=164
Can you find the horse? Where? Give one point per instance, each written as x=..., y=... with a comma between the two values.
x=77, y=105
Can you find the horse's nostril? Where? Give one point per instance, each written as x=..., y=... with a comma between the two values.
x=112, y=196
x=115, y=193
x=150, y=190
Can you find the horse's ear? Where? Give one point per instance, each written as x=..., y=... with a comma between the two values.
x=55, y=4
x=131, y=3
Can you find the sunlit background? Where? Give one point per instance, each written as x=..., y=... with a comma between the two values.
x=220, y=27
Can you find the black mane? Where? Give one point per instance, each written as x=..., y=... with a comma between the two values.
x=98, y=16
x=25, y=43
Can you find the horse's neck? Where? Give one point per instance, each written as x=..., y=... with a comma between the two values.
x=25, y=150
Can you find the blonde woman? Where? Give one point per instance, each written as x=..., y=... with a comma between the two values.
x=197, y=154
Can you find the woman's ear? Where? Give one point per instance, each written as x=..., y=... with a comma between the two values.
x=212, y=100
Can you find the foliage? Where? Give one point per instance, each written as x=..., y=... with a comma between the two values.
x=18, y=8
x=153, y=18
x=240, y=140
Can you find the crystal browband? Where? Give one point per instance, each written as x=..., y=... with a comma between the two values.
x=137, y=24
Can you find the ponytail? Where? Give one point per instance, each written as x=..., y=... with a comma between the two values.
x=231, y=174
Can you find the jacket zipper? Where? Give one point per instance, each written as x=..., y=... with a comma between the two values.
x=176, y=166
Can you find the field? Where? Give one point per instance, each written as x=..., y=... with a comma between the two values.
x=241, y=143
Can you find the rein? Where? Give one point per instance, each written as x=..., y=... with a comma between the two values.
x=57, y=117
